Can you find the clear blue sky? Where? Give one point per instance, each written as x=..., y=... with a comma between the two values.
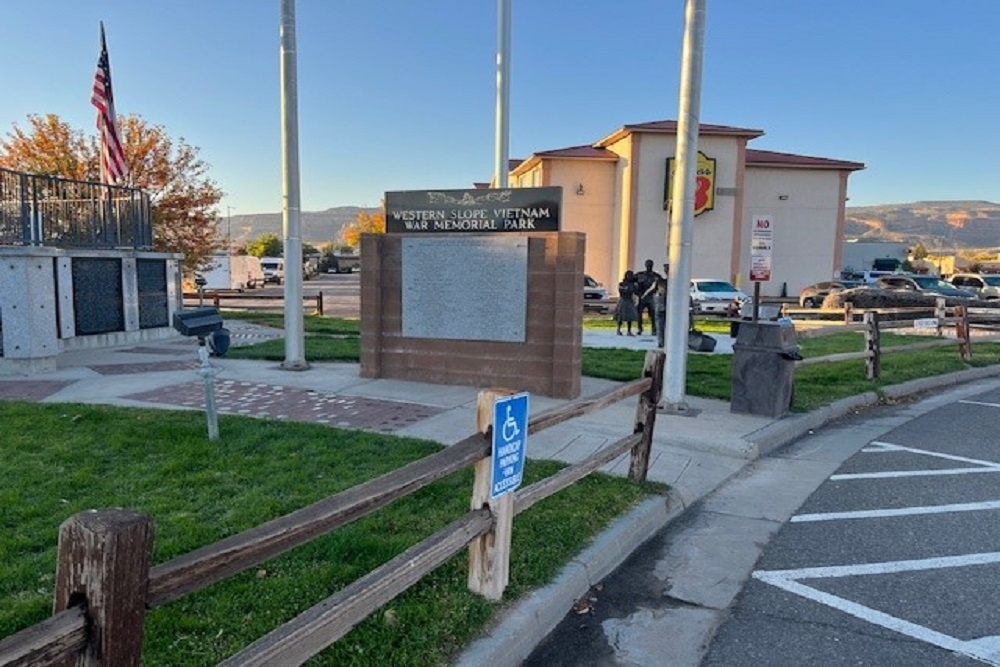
x=400, y=94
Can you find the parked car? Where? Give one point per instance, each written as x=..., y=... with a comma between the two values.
x=715, y=296
x=812, y=296
x=595, y=297
x=923, y=284
x=985, y=286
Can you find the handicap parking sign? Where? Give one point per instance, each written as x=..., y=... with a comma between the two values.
x=510, y=439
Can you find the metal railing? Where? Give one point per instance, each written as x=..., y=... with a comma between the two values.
x=38, y=210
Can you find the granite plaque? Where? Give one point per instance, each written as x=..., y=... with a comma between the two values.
x=98, y=295
x=465, y=288
x=489, y=211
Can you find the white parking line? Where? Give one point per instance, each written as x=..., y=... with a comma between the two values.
x=876, y=447
x=902, y=511
x=989, y=405
x=913, y=473
x=984, y=649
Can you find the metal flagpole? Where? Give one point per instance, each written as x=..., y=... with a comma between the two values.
x=682, y=193
x=294, y=327
x=500, y=167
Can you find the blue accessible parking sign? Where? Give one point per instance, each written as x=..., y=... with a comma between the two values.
x=510, y=439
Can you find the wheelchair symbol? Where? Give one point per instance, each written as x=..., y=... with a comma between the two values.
x=509, y=431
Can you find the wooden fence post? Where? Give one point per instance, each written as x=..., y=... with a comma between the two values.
x=848, y=313
x=940, y=312
x=104, y=563
x=873, y=345
x=962, y=333
x=489, y=555
x=215, y=299
x=645, y=415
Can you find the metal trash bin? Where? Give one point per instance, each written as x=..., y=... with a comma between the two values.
x=763, y=376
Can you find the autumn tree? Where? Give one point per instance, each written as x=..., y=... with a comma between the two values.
x=364, y=223
x=182, y=196
x=266, y=245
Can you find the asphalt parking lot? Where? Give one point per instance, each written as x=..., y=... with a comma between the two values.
x=895, y=560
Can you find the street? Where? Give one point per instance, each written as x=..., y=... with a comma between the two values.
x=341, y=295
x=891, y=560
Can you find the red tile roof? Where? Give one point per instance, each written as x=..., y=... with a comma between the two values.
x=757, y=158
x=670, y=126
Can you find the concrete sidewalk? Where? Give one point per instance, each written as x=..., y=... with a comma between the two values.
x=694, y=454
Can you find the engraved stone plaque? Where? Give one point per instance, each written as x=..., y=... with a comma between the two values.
x=465, y=288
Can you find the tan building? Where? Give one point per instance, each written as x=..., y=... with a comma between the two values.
x=614, y=192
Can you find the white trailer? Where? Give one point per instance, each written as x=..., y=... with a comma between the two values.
x=233, y=272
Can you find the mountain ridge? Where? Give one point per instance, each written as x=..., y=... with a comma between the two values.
x=936, y=224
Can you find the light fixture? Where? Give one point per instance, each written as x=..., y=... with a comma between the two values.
x=579, y=189
x=783, y=197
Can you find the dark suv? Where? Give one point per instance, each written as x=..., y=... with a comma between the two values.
x=813, y=295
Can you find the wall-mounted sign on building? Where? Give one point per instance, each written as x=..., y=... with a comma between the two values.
x=507, y=210
x=704, y=191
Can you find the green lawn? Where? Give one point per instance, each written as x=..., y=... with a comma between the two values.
x=62, y=459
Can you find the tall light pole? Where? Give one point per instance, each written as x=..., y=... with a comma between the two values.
x=229, y=229
x=502, y=149
x=682, y=193
x=294, y=321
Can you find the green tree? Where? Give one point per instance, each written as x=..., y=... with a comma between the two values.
x=266, y=245
x=918, y=251
x=182, y=196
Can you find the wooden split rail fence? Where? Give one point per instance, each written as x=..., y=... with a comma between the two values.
x=241, y=300
x=104, y=583
x=873, y=324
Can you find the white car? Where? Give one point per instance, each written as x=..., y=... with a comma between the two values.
x=715, y=296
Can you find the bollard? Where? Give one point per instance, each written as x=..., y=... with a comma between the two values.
x=208, y=372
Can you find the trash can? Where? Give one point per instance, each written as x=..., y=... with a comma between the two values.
x=763, y=375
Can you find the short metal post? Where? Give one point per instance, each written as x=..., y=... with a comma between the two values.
x=208, y=372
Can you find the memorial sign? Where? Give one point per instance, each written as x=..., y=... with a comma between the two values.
x=480, y=210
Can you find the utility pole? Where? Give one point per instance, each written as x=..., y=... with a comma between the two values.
x=294, y=325
x=682, y=194
x=229, y=230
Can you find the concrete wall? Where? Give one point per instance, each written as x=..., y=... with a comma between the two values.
x=805, y=225
x=592, y=212
x=39, y=304
x=547, y=363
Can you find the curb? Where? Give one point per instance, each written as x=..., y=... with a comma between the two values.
x=518, y=631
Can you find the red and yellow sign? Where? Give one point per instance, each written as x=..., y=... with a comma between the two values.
x=704, y=191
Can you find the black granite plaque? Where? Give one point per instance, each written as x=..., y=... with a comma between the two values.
x=489, y=211
x=97, y=295
x=152, y=282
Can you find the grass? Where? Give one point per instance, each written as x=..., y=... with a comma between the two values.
x=62, y=459
x=708, y=376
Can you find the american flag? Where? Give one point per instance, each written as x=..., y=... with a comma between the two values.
x=113, y=169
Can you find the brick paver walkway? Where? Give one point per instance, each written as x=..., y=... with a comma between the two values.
x=264, y=400
x=30, y=390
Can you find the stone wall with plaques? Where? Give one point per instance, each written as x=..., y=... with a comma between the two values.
x=477, y=309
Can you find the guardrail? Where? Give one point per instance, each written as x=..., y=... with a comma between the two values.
x=104, y=583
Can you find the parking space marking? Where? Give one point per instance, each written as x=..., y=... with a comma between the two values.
x=877, y=447
x=984, y=649
x=902, y=511
x=989, y=405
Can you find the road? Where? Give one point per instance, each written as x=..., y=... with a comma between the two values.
x=874, y=541
x=341, y=295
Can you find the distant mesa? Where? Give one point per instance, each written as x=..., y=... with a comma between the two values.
x=951, y=225
x=317, y=227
